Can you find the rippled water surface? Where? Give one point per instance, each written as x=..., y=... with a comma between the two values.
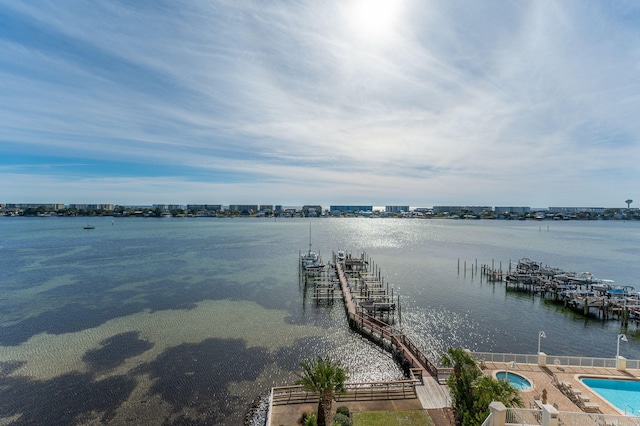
x=174, y=321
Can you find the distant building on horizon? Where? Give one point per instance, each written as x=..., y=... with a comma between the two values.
x=396, y=209
x=351, y=208
x=459, y=209
x=168, y=207
x=51, y=206
x=597, y=210
x=311, y=210
x=512, y=209
x=243, y=208
x=205, y=207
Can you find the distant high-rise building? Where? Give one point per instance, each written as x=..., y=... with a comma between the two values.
x=396, y=209
x=206, y=207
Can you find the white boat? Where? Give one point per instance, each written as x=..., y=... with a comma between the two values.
x=581, y=278
x=341, y=256
x=602, y=285
x=310, y=260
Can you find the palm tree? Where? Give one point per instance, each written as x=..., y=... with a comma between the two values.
x=460, y=361
x=325, y=378
x=486, y=389
x=471, y=391
x=465, y=372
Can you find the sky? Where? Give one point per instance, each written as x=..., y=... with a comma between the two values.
x=332, y=102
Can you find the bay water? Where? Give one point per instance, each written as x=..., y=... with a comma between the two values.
x=189, y=321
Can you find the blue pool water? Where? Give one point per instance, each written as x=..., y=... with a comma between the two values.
x=624, y=394
x=516, y=380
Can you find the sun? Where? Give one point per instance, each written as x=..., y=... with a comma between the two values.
x=373, y=19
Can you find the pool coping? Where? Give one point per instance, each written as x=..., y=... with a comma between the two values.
x=530, y=389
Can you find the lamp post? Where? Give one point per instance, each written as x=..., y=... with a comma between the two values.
x=624, y=339
x=506, y=373
x=541, y=335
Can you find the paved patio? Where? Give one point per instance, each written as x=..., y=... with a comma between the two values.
x=542, y=378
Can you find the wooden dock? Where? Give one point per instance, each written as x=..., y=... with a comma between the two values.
x=429, y=377
x=372, y=311
x=387, y=335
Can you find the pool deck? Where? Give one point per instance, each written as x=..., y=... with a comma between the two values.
x=542, y=378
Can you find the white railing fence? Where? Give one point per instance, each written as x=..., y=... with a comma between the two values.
x=579, y=419
x=560, y=361
x=521, y=416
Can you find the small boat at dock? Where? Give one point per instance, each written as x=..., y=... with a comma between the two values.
x=310, y=260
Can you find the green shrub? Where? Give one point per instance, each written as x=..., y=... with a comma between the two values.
x=341, y=420
x=308, y=419
x=343, y=409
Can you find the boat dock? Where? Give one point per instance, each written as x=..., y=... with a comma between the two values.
x=580, y=292
x=371, y=308
x=372, y=311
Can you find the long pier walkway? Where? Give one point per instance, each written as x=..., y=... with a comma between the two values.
x=430, y=391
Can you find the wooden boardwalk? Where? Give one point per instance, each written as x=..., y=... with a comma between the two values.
x=429, y=377
x=367, y=308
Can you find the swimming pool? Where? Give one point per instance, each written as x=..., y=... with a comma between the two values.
x=515, y=380
x=623, y=394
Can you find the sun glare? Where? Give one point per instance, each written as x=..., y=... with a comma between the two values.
x=374, y=19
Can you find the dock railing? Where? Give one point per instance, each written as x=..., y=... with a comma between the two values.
x=387, y=332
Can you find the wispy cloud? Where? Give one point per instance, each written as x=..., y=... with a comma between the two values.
x=450, y=102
